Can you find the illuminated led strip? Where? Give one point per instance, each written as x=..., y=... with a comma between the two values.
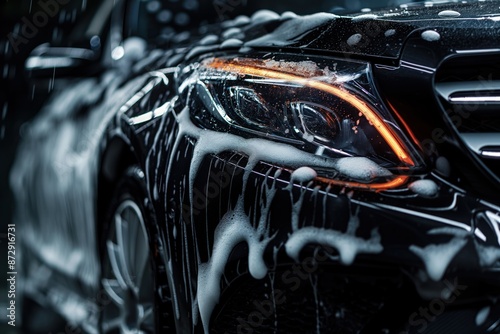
x=403, y=122
x=394, y=183
x=371, y=116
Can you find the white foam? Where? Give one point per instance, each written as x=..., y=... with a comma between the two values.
x=304, y=174
x=257, y=149
x=347, y=244
x=134, y=48
x=488, y=256
x=364, y=17
x=264, y=15
x=431, y=36
x=296, y=206
x=390, y=32
x=231, y=43
x=288, y=15
x=449, y=13
x=360, y=168
x=438, y=257
x=354, y=39
x=209, y=40
x=234, y=228
x=306, y=67
x=426, y=188
x=240, y=20
x=231, y=33
x=482, y=315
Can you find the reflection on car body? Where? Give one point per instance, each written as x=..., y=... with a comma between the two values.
x=277, y=164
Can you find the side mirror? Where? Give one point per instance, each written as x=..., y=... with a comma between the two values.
x=44, y=60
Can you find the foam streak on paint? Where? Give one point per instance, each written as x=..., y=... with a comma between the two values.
x=296, y=209
x=437, y=257
x=488, y=255
x=236, y=221
x=212, y=142
x=347, y=244
x=235, y=226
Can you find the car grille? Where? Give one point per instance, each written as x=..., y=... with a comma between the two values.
x=469, y=90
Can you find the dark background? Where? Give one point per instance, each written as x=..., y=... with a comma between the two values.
x=19, y=103
x=20, y=100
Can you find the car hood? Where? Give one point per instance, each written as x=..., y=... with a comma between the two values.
x=381, y=34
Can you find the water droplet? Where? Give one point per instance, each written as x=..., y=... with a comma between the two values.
x=482, y=315
x=364, y=17
x=431, y=35
x=390, y=32
x=118, y=53
x=164, y=16
x=95, y=42
x=153, y=6
x=449, y=13
x=354, y=39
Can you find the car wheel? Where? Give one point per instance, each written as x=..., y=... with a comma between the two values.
x=127, y=264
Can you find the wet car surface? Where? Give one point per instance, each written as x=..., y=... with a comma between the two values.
x=276, y=173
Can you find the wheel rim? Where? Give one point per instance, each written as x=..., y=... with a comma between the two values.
x=127, y=274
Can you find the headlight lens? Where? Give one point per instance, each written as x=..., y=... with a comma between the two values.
x=326, y=107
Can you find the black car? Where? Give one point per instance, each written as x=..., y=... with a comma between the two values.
x=277, y=173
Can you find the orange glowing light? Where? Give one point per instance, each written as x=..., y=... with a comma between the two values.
x=394, y=183
x=253, y=68
x=402, y=121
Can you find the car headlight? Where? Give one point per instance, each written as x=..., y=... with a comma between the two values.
x=325, y=107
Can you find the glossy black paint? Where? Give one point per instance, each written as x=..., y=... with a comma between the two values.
x=404, y=67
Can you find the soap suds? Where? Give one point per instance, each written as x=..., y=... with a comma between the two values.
x=364, y=17
x=431, y=36
x=354, y=39
x=426, y=188
x=390, y=32
x=347, y=244
x=437, y=257
x=482, y=315
x=304, y=174
x=449, y=13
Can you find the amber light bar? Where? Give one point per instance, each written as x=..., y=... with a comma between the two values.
x=251, y=68
x=394, y=183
